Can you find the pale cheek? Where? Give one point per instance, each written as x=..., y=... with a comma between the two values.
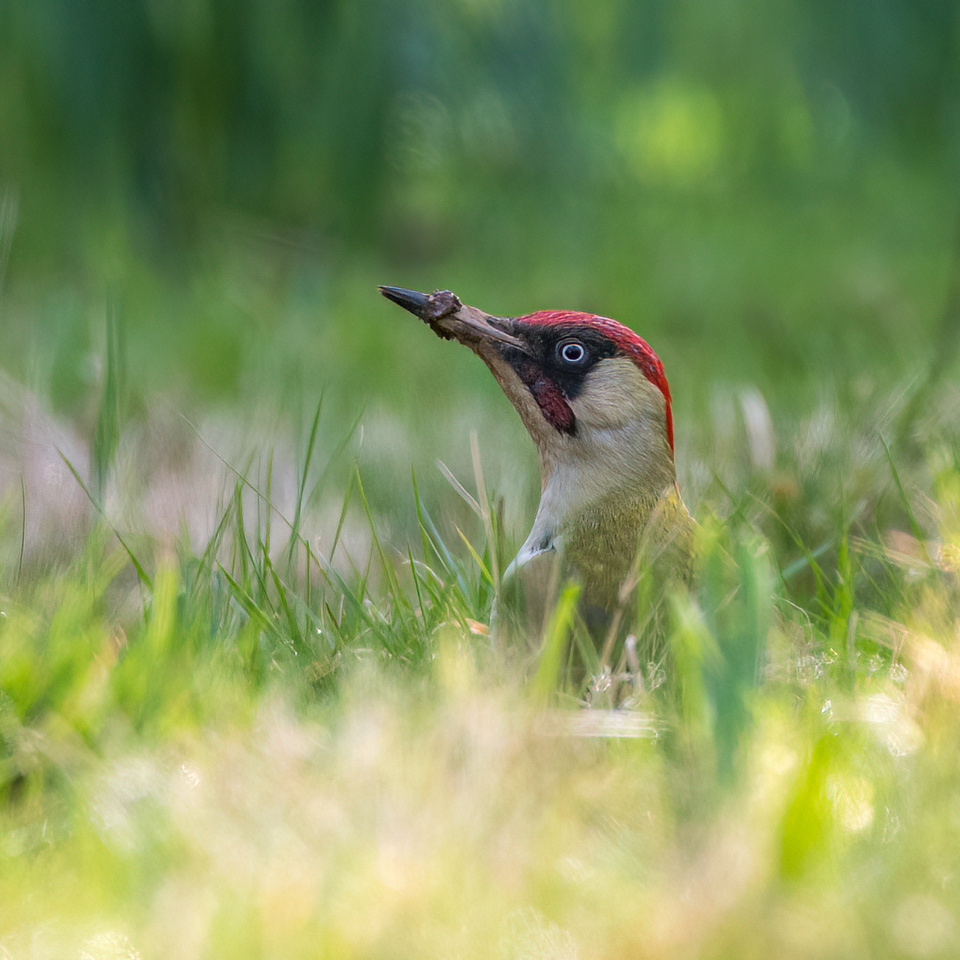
x=617, y=396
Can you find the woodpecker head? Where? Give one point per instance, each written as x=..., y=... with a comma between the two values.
x=591, y=393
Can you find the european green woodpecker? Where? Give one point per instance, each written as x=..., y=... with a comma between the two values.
x=594, y=398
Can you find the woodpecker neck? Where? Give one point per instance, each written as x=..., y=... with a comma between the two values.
x=612, y=472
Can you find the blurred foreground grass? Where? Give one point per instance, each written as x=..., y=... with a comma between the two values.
x=179, y=792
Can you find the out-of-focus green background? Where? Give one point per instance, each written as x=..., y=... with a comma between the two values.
x=767, y=191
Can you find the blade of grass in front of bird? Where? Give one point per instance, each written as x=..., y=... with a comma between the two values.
x=341, y=519
x=553, y=649
x=387, y=569
x=425, y=544
x=216, y=538
x=586, y=649
x=286, y=601
x=246, y=600
x=264, y=515
x=432, y=541
x=460, y=489
x=302, y=475
x=485, y=513
x=416, y=584
x=477, y=559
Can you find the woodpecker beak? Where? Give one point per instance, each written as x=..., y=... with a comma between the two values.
x=450, y=319
x=510, y=358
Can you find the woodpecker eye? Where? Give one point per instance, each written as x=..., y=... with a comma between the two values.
x=572, y=352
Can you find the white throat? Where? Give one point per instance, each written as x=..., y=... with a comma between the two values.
x=617, y=464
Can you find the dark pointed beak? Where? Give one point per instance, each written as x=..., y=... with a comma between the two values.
x=411, y=300
x=451, y=319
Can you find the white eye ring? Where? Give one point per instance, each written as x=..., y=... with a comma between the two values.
x=573, y=352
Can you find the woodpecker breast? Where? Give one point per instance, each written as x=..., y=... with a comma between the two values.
x=595, y=400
